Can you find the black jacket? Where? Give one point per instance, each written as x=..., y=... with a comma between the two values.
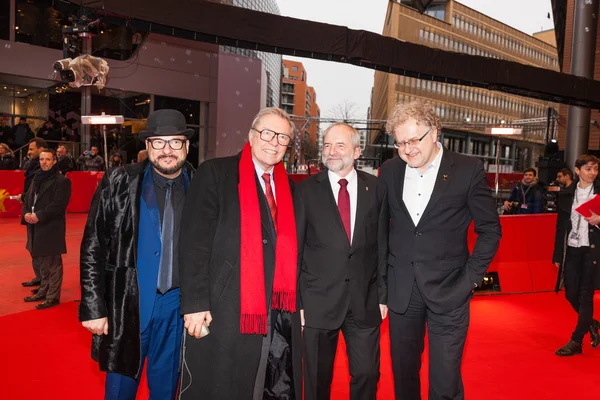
x=47, y=237
x=334, y=275
x=435, y=253
x=224, y=364
x=108, y=262
x=563, y=228
x=8, y=162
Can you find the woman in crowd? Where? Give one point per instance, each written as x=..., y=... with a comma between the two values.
x=7, y=159
x=577, y=253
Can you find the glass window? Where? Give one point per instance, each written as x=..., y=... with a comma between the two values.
x=295, y=68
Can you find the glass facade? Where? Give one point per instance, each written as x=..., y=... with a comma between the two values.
x=4, y=19
x=272, y=62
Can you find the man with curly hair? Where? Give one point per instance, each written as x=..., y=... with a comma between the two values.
x=433, y=196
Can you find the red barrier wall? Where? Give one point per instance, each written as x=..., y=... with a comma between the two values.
x=83, y=186
x=524, y=258
x=11, y=184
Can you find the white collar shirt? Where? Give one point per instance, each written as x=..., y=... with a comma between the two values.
x=418, y=186
x=352, y=188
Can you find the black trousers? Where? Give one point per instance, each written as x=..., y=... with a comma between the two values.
x=51, y=269
x=579, y=288
x=447, y=335
x=362, y=348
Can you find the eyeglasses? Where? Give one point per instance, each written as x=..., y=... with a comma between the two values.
x=411, y=142
x=267, y=135
x=159, y=144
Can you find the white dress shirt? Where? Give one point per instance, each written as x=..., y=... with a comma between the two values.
x=418, y=186
x=352, y=188
x=263, y=185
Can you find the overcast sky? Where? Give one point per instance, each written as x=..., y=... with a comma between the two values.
x=337, y=83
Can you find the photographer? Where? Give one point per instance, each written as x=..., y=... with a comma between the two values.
x=90, y=160
x=527, y=196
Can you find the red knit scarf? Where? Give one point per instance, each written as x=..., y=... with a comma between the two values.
x=253, y=315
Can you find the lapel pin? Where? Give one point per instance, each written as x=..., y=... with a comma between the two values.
x=367, y=188
x=445, y=177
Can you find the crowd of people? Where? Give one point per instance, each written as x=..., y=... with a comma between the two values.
x=232, y=282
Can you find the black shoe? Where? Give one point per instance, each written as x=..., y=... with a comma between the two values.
x=47, y=304
x=594, y=335
x=33, y=282
x=36, y=297
x=570, y=349
x=35, y=291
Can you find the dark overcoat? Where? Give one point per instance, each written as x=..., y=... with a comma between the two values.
x=223, y=365
x=108, y=268
x=47, y=237
x=563, y=228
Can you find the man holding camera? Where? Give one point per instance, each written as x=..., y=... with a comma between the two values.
x=90, y=160
x=527, y=196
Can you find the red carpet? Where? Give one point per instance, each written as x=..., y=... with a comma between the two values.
x=509, y=352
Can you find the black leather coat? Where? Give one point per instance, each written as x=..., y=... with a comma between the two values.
x=109, y=286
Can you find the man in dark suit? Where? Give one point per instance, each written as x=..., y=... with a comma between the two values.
x=44, y=212
x=239, y=273
x=129, y=264
x=342, y=234
x=433, y=196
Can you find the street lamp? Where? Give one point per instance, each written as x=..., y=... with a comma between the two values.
x=103, y=120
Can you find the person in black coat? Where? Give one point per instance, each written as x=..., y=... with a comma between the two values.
x=577, y=253
x=342, y=243
x=7, y=159
x=36, y=146
x=239, y=273
x=66, y=163
x=433, y=197
x=129, y=264
x=44, y=211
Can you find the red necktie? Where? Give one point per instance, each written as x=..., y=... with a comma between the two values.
x=270, y=199
x=344, y=207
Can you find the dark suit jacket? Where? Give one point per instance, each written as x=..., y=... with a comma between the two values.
x=225, y=362
x=435, y=253
x=335, y=275
x=47, y=237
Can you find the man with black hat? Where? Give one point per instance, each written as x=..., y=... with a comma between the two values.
x=129, y=265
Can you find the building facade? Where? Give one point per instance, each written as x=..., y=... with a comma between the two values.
x=300, y=100
x=218, y=92
x=271, y=61
x=466, y=112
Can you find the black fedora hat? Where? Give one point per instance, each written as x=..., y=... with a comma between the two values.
x=166, y=123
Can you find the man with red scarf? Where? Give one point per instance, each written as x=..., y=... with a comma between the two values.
x=238, y=273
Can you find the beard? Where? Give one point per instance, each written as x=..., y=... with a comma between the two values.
x=338, y=164
x=167, y=170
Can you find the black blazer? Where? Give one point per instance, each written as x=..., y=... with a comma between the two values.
x=435, y=253
x=335, y=275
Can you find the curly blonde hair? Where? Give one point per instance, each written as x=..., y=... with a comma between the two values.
x=420, y=110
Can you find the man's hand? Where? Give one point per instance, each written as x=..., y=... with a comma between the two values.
x=594, y=219
x=97, y=326
x=193, y=322
x=302, y=319
x=507, y=205
x=20, y=197
x=384, y=310
x=33, y=219
x=27, y=218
